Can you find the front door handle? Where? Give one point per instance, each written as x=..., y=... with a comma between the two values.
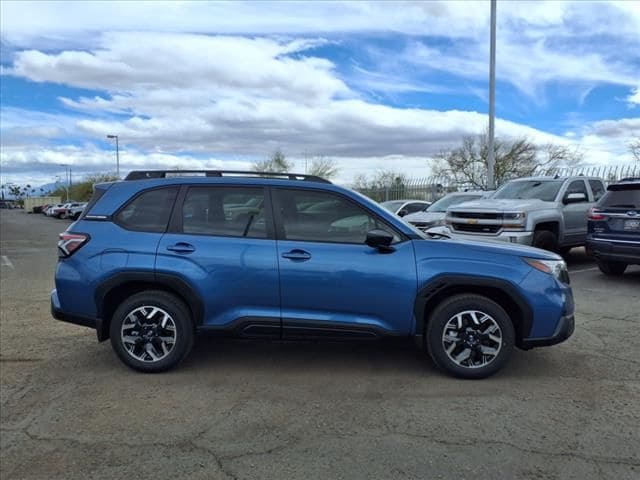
x=297, y=254
x=182, y=247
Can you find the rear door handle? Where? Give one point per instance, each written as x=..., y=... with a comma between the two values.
x=297, y=254
x=182, y=247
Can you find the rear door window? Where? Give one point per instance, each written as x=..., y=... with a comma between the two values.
x=597, y=188
x=149, y=211
x=225, y=211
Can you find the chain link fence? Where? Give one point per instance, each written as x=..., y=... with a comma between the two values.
x=433, y=188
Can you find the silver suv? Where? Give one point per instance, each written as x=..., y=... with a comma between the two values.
x=545, y=212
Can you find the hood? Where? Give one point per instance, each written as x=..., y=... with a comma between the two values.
x=479, y=249
x=503, y=205
x=425, y=217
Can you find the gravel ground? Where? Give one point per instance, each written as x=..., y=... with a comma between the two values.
x=272, y=410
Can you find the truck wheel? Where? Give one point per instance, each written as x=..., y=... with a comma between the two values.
x=152, y=331
x=545, y=240
x=611, y=268
x=470, y=336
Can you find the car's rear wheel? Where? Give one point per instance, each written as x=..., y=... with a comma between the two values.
x=152, y=331
x=545, y=240
x=470, y=336
x=611, y=268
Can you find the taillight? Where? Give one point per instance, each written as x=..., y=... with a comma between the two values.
x=70, y=242
x=595, y=214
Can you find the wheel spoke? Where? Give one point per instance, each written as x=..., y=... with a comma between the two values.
x=163, y=324
x=463, y=355
x=171, y=340
x=451, y=348
x=459, y=320
x=474, y=318
x=151, y=314
x=494, y=338
x=488, y=350
x=130, y=339
x=151, y=351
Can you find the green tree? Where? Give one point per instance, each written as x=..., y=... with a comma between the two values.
x=277, y=163
x=82, y=191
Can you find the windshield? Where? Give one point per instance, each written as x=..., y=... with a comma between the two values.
x=393, y=205
x=445, y=202
x=545, y=190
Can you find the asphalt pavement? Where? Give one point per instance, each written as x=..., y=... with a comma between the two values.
x=274, y=410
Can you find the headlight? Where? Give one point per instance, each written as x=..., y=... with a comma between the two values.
x=514, y=215
x=557, y=268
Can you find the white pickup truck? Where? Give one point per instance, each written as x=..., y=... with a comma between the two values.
x=545, y=212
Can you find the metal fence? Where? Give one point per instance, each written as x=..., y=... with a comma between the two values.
x=433, y=188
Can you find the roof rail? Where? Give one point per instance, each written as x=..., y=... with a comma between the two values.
x=151, y=174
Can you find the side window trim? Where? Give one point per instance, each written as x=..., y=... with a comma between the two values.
x=279, y=223
x=176, y=221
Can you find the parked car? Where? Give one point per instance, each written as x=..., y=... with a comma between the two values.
x=158, y=261
x=74, y=212
x=434, y=214
x=51, y=211
x=614, y=227
x=65, y=210
x=405, y=207
x=545, y=212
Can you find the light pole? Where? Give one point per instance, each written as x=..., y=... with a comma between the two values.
x=67, y=172
x=111, y=137
x=492, y=100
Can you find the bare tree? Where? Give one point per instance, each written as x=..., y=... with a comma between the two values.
x=467, y=164
x=323, y=167
x=277, y=162
x=634, y=148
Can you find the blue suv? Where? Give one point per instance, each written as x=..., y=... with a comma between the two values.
x=163, y=255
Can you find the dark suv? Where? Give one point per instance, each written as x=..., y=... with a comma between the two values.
x=614, y=227
x=163, y=255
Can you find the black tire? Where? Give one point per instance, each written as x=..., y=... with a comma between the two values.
x=564, y=251
x=612, y=268
x=180, y=316
x=445, y=312
x=545, y=240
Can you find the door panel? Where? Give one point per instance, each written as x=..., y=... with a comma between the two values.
x=346, y=287
x=331, y=283
x=575, y=215
x=222, y=245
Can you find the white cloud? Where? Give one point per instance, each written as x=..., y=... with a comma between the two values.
x=634, y=97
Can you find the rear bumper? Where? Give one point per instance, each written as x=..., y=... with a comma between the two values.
x=565, y=328
x=618, y=251
x=59, y=314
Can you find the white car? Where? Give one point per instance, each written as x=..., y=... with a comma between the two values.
x=50, y=210
x=434, y=215
x=74, y=212
x=405, y=207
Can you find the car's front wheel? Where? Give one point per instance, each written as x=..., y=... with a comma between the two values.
x=612, y=268
x=152, y=331
x=470, y=336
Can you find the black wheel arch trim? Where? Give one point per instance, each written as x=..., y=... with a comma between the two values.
x=442, y=282
x=166, y=280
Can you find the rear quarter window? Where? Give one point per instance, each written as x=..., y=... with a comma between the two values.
x=149, y=211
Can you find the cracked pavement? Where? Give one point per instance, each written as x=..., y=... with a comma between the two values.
x=269, y=410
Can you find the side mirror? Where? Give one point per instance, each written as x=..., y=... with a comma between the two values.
x=380, y=239
x=574, y=198
x=403, y=212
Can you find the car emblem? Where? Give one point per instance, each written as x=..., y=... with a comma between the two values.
x=472, y=221
x=632, y=213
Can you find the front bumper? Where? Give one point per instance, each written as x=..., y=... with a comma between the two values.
x=521, y=238
x=565, y=328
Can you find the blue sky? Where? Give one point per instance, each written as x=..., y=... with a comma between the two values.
x=371, y=84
